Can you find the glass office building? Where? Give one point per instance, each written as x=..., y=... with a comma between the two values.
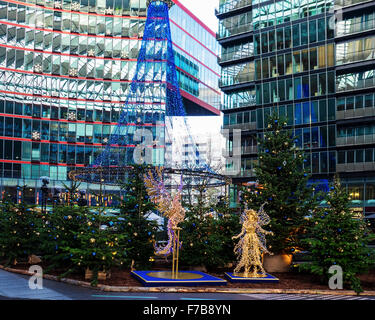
x=65, y=70
x=313, y=62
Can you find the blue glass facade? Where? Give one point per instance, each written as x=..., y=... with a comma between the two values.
x=65, y=71
x=313, y=62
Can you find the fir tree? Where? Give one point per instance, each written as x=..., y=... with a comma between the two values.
x=338, y=236
x=135, y=208
x=283, y=186
x=19, y=235
x=98, y=244
x=58, y=233
x=207, y=235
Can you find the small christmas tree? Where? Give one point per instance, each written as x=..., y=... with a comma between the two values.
x=19, y=237
x=99, y=245
x=339, y=237
x=58, y=233
x=134, y=210
x=283, y=184
x=207, y=235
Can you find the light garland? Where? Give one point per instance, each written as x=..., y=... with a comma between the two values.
x=171, y=208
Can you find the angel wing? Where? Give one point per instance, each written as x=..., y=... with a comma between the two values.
x=157, y=191
x=263, y=217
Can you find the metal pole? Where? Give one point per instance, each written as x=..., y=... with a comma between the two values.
x=174, y=256
x=178, y=250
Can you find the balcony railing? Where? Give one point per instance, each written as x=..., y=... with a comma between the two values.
x=233, y=31
x=249, y=150
x=362, y=55
x=233, y=56
x=242, y=126
x=233, y=5
x=247, y=173
x=352, y=167
x=355, y=85
x=355, y=113
x=355, y=140
x=242, y=78
x=346, y=3
x=345, y=28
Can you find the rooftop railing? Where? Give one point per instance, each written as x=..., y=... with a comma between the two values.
x=233, y=5
x=232, y=31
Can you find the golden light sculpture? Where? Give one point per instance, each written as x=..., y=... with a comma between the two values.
x=252, y=244
x=172, y=209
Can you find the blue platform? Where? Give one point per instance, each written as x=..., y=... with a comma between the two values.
x=236, y=279
x=186, y=278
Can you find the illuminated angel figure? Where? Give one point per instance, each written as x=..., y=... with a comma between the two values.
x=252, y=243
x=169, y=206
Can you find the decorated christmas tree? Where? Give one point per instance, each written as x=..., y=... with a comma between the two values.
x=339, y=236
x=283, y=184
x=19, y=237
x=58, y=232
x=98, y=246
x=207, y=235
x=135, y=209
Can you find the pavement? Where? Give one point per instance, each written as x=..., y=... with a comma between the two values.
x=16, y=286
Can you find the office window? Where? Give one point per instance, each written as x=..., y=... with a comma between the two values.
x=315, y=137
x=296, y=35
x=298, y=138
x=297, y=114
x=306, y=112
x=340, y=105
x=341, y=157
x=323, y=136
x=323, y=162
x=331, y=135
x=369, y=102
x=306, y=138
x=331, y=109
x=369, y=155
x=315, y=162
x=350, y=156
x=321, y=29
x=359, y=156
x=312, y=31
x=280, y=39
x=304, y=33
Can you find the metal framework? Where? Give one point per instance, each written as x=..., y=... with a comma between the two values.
x=115, y=175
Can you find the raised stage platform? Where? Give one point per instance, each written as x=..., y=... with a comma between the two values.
x=185, y=278
x=237, y=279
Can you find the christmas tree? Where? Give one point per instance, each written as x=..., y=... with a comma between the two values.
x=58, y=232
x=207, y=235
x=19, y=237
x=283, y=186
x=338, y=236
x=99, y=245
x=135, y=208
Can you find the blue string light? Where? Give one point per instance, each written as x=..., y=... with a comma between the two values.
x=153, y=96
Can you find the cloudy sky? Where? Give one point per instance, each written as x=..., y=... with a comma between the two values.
x=204, y=10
